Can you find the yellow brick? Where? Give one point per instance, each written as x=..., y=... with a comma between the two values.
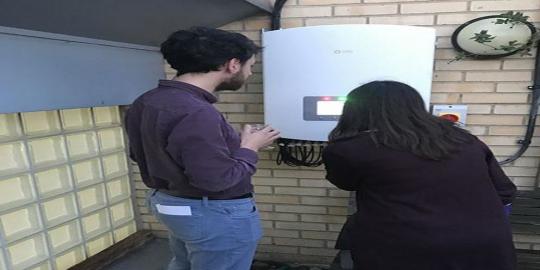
x=300, y=226
x=267, y=224
x=336, y=20
x=275, y=181
x=335, y=227
x=322, y=218
x=365, y=10
x=433, y=7
x=140, y=193
x=444, y=43
x=339, y=211
x=524, y=181
x=281, y=233
x=299, y=174
x=503, y=130
x=264, y=155
x=270, y=164
x=324, y=201
x=499, y=140
x=291, y=23
x=391, y=1
x=255, y=108
x=476, y=130
x=320, y=235
x=328, y=252
x=234, y=26
x=513, y=87
x=253, y=35
x=494, y=98
x=500, y=120
x=460, y=18
x=479, y=109
x=519, y=64
x=299, y=12
x=148, y=218
x=301, y=191
x=279, y=216
x=265, y=207
x=157, y=227
x=257, y=24
x=277, y=199
x=255, y=78
x=263, y=173
x=520, y=171
x=445, y=54
x=447, y=76
x=263, y=190
x=505, y=5
x=327, y=2
x=527, y=162
x=503, y=76
x=240, y=98
x=533, y=16
x=277, y=249
x=245, y=118
x=265, y=241
x=230, y=107
x=405, y=20
x=510, y=150
x=468, y=65
x=462, y=87
x=298, y=242
x=301, y=209
x=444, y=98
x=254, y=87
x=512, y=109
x=315, y=183
x=445, y=30
x=339, y=193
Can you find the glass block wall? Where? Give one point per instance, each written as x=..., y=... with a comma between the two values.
x=65, y=193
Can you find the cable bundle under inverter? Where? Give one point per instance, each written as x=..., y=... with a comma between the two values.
x=299, y=152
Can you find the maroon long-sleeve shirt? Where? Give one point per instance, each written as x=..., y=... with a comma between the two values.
x=420, y=214
x=181, y=142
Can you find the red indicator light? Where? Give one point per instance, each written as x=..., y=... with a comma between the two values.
x=450, y=117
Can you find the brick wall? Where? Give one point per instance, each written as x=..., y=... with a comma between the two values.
x=302, y=213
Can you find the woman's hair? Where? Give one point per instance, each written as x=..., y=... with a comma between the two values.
x=395, y=115
x=201, y=49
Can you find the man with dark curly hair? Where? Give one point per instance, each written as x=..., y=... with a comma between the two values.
x=198, y=167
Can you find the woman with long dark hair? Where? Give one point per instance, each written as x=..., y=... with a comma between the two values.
x=429, y=195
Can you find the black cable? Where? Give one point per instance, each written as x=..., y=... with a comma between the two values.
x=532, y=114
x=299, y=153
x=276, y=14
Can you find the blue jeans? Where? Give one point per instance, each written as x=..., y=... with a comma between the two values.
x=208, y=234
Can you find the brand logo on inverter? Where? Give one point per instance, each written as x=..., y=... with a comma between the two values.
x=343, y=51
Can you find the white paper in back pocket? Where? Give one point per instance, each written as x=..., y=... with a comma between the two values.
x=174, y=210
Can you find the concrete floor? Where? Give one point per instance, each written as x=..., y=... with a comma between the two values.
x=154, y=255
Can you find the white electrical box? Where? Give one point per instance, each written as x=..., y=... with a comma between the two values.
x=453, y=113
x=308, y=71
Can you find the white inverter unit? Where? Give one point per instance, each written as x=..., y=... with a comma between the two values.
x=308, y=71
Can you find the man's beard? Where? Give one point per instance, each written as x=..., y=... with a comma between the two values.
x=232, y=84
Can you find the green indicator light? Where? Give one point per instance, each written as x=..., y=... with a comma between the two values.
x=342, y=98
